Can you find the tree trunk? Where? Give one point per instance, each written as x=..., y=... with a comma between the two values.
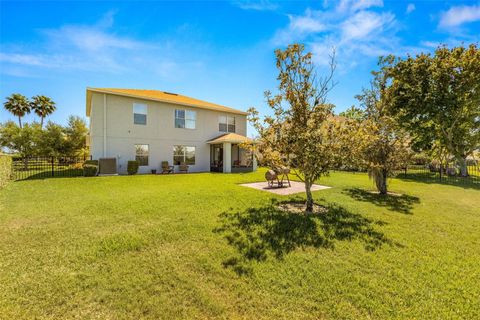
x=462, y=162
x=20, y=122
x=382, y=182
x=41, y=122
x=309, y=203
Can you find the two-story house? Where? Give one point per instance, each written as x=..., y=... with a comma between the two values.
x=152, y=126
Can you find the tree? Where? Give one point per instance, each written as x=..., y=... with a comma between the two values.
x=374, y=141
x=53, y=141
x=58, y=140
x=437, y=99
x=42, y=106
x=299, y=135
x=23, y=141
x=18, y=105
x=76, y=133
x=353, y=113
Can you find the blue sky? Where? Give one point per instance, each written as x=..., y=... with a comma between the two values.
x=219, y=51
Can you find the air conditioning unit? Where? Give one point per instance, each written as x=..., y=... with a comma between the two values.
x=107, y=166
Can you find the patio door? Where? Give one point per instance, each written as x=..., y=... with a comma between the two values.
x=216, y=158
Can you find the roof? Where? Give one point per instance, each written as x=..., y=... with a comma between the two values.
x=161, y=96
x=229, y=137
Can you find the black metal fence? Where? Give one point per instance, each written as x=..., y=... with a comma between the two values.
x=47, y=167
x=446, y=174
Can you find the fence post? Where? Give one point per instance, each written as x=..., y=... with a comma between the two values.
x=53, y=168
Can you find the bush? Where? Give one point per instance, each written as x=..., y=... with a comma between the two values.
x=5, y=169
x=420, y=159
x=132, y=167
x=451, y=172
x=92, y=162
x=90, y=170
x=472, y=162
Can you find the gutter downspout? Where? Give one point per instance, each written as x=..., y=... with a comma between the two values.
x=104, y=125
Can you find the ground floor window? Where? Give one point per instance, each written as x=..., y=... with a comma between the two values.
x=141, y=154
x=183, y=154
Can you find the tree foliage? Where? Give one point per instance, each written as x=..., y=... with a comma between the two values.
x=437, y=99
x=353, y=113
x=21, y=140
x=18, y=105
x=371, y=137
x=43, y=106
x=298, y=134
x=53, y=140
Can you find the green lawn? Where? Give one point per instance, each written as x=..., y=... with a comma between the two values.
x=200, y=246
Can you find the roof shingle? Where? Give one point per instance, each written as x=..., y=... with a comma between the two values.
x=168, y=97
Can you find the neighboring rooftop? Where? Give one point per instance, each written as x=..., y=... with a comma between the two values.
x=156, y=95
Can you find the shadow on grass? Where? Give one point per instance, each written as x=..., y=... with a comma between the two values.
x=399, y=203
x=470, y=182
x=259, y=233
x=47, y=174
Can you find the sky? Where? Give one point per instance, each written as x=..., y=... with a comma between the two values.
x=218, y=51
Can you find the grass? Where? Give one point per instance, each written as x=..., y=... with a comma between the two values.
x=200, y=246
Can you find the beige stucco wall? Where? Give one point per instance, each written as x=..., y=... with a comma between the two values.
x=159, y=132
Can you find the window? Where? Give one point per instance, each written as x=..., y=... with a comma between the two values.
x=139, y=113
x=183, y=154
x=141, y=154
x=226, y=124
x=185, y=119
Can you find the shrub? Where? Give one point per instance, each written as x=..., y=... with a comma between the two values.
x=472, y=162
x=92, y=162
x=451, y=172
x=132, y=167
x=77, y=165
x=420, y=158
x=90, y=170
x=5, y=169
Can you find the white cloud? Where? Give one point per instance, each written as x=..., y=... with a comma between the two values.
x=356, y=5
x=90, y=39
x=259, y=5
x=355, y=33
x=459, y=15
x=93, y=48
x=306, y=23
x=301, y=25
x=25, y=59
x=410, y=8
x=364, y=23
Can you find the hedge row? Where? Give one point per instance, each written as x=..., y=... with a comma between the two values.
x=5, y=169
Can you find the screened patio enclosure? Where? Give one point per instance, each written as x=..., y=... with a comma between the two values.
x=226, y=154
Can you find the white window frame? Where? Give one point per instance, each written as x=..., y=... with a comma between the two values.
x=185, y=155
x=227, y=123
x=135, y=104
x=187, y=118
x=148, y=154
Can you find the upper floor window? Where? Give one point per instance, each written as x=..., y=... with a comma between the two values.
x=139, y=113
x=141, y=154
x=226, y=124
x=185, y=119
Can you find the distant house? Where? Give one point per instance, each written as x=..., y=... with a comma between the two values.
x=152, y=126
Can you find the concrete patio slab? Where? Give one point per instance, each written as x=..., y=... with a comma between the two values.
x=296, y=187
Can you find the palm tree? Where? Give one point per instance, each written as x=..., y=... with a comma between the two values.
x=42, y=106
x=18, y=105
